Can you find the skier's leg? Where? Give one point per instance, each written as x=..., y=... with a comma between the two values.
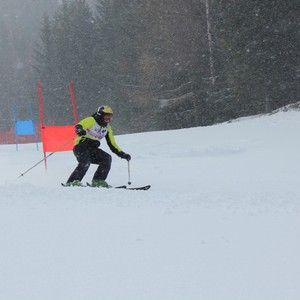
x=82, y=154
x=102, y=159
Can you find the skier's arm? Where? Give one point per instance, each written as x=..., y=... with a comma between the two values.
x=110, y=139
x=87, y=123
x=113, y=145
x=81, y=128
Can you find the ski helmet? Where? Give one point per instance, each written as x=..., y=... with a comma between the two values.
x=105, y=112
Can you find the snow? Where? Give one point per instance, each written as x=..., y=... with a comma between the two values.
x=221, y=221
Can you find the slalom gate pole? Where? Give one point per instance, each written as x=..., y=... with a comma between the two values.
x=129, y=182
x=56, y=150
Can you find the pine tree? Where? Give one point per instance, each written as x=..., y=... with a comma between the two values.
x=259, y=41
x=19, y=23
x=66, y=56
x=115, y=58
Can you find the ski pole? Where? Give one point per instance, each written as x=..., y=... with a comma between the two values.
x=129, y=182
x=56, y=150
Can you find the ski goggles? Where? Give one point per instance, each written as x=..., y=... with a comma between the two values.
x=107, y=118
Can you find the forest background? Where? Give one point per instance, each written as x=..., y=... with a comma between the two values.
x=159, y=64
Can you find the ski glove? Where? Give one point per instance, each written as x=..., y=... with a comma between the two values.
x=79, y=130
x=125, y=156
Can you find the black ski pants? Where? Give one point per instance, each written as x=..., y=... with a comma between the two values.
x=86, y=154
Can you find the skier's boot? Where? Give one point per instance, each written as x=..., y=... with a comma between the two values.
x=74, y=183
x=100, y=183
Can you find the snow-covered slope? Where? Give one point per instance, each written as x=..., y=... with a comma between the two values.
x=220, y=222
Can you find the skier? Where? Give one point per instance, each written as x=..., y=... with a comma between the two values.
x=90, y=131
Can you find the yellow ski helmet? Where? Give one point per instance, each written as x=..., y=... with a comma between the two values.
x=105, y=112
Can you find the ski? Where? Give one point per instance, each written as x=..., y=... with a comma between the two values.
x=125, y=187
x=120, y=187
x=139, y=188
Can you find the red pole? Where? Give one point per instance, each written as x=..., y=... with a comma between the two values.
x=73, y=102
